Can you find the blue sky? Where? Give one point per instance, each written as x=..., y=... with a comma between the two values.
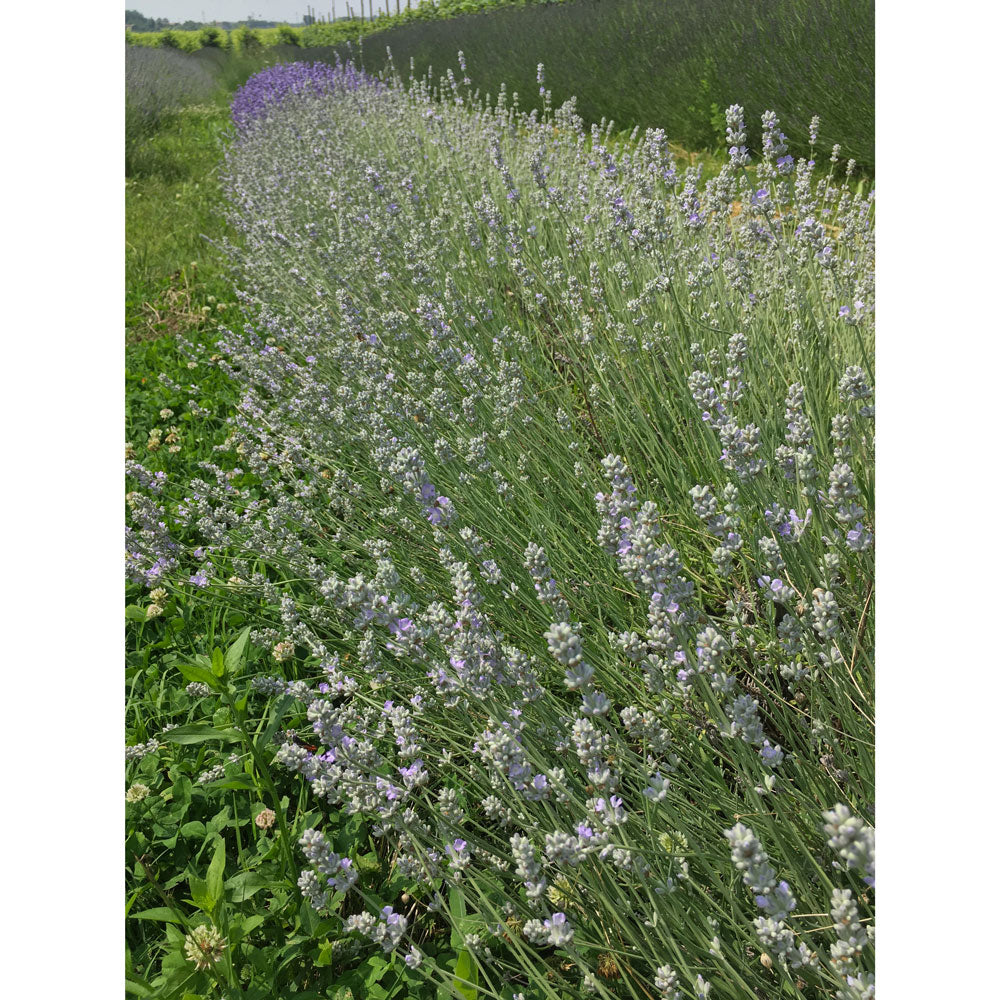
x=239, y=10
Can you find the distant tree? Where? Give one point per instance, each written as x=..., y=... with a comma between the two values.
x=249, y=41
x=169, y=40
x=139, y=21
x=211, y=38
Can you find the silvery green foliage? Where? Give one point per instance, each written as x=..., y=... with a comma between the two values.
x=158, y=81
x=473, y=331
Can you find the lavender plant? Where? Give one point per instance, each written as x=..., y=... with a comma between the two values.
x=157, y=82
x=554, y=513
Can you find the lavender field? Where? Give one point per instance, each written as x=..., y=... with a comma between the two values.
x=514, y=636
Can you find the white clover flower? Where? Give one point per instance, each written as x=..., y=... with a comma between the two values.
x=136, y=793
x=204, y=946
x=283, y=651
x=265, y=819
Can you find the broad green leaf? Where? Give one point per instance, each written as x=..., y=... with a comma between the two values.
x=329, y=925
x=466, y=969
x=456, y=904
x=243, y=885
x=138, y=988
x=457, y=910
x=259, y=993
x=373, y=969
x=277, y=717
x=158, y=913
x=236, y=652
x=193, y=672
x=216, y=870
x=253, y=922
x=181, y=789
x=134, y=613
x=350, y=834
x=219, y=821
x=240, y=781
x=218, y=662
x=343, y=992
x=196, y=732
x=325, y=954
x=200, y=895
x=175, y=936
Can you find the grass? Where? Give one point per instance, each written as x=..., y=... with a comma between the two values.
x=172, y=213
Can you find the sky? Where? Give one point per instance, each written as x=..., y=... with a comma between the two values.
x=239, y=10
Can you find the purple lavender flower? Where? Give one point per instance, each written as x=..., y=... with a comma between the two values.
x=260, y=96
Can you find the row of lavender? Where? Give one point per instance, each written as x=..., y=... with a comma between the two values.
x=564, y=466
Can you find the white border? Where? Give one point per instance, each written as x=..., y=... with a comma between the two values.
x=63, y=412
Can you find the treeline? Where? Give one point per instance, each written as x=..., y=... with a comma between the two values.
x=348, y=20
x=142, y=24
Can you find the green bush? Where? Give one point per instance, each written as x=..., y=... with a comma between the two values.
x=249, y=42
x=211, y=38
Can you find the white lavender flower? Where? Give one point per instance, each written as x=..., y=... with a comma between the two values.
x=141, y=750
x=559, y=930
x=853, y=841
x=666, y=982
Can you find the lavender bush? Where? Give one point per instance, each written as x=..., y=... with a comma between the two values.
x=161, y=80
x=550, y=493
x=272, y=87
